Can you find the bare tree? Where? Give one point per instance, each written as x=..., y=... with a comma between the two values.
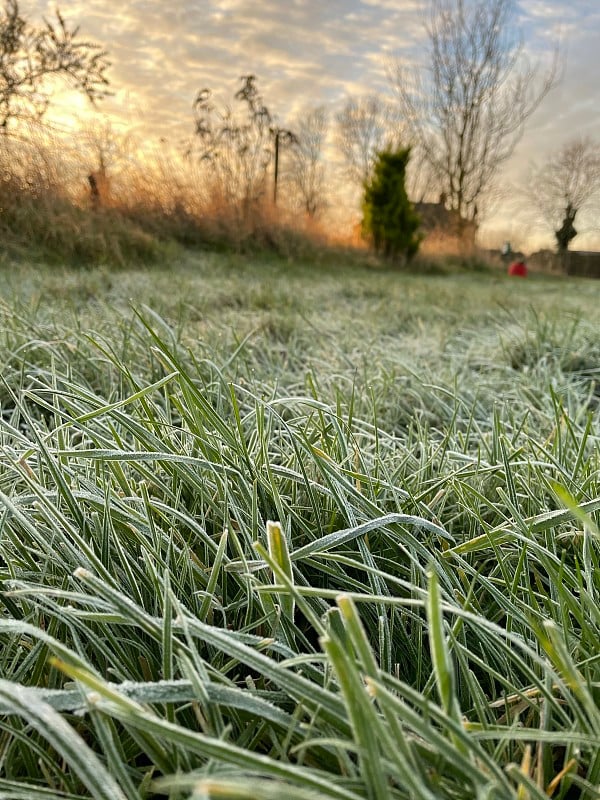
x=307, y=165
x=365, y=125
x=468, y=107
x=105, y=144
x=567, y=183
x=107, y=151
x=29, y=56
x=235, y=146
x=238, y=147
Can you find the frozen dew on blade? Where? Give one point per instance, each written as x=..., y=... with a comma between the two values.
x=279, y=553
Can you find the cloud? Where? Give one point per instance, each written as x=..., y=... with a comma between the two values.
x=330, y=46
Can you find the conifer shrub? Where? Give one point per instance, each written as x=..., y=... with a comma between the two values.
x=389, y=218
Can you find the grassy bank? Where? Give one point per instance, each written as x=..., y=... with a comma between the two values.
x=423, y=621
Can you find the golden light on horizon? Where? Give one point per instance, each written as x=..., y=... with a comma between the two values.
x=303, y=53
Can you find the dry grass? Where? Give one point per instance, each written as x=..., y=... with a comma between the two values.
x=45, y=213
x=152, y=201
x=155, y=201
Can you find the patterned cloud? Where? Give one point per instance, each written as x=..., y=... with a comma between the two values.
x=303, y=51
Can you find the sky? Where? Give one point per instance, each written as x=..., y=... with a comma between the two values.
x=311, y=52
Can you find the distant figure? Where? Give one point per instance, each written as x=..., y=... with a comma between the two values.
x=94, y=191
x=518, y=269
x=506, y=253
x=99, y=187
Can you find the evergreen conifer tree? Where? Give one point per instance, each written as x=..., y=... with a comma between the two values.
x=389, y=218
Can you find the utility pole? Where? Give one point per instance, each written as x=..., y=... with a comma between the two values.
x=286, y=137
x=276, y=167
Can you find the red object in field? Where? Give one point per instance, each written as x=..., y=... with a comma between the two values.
x=518, y=268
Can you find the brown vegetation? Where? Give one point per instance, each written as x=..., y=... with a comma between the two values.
x=444, y=230
x=56, y=206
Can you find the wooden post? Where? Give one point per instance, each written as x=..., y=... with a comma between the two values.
x=276, y=172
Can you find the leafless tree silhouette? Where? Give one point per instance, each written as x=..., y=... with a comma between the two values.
x=238, y=147
x=467, y=107
x=30, y=55
x=567, y=183
x=307, y=165
x=365, y=125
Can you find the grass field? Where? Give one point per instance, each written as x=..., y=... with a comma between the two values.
x=273, y=530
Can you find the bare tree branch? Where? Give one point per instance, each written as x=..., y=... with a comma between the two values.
x=565, y=185
x=29, y=56
x=238, y=146
x=307, y=166
x=467, y=110
x=365, y=126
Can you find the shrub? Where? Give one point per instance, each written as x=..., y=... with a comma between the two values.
x=389, y=218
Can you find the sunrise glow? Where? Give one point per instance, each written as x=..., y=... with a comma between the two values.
x=307, y=54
